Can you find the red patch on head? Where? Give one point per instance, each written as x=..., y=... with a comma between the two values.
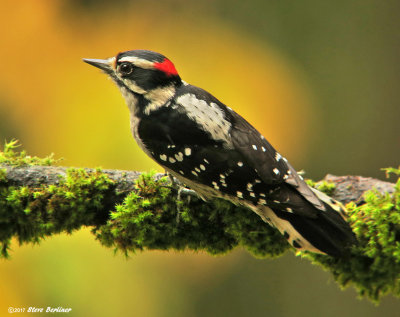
x=167, y=67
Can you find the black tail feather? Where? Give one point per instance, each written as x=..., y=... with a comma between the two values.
x=328, y=232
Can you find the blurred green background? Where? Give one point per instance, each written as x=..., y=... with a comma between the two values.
x=320, y=79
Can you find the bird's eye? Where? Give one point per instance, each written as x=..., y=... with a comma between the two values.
x=126, y=68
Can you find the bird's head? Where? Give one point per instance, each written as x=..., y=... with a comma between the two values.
x=141, y=73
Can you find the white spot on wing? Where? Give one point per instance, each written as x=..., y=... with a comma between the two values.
x=163, y=157
x=202, y=167
x=278, y=156
x=239, y=194
x=262, y=201
x=240, y=164
x=254, y=147
x=276, y=171
x=215, y=185
x=179, y=156
x=188, y=151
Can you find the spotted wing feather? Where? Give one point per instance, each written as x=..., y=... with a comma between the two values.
x=270, y=165
x=182, y=146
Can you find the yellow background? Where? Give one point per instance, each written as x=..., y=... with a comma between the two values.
x=319, y=81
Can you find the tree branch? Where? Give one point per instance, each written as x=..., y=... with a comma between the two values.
x=35, y=176
x=347, y=188
x=137, y=211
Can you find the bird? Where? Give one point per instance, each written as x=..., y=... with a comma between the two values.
x=214, y=151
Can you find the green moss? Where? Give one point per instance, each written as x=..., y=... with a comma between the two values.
x=3, y=175
x=374, y=265
x=150, y=217
x=147, y=218
x=326, y=187
x=391, y=170
x=11, y=157
x=323, y=186
x=29, y=214
x=310, y=182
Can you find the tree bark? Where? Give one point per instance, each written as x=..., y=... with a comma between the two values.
x=348, y=188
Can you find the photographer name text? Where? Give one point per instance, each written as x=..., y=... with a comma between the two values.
x=33, y=309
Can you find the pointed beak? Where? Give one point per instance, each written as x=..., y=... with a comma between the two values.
x=104, y=64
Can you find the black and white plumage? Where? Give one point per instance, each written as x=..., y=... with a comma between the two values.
x=217, y=153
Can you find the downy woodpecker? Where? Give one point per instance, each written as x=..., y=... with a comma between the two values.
x=217, y=153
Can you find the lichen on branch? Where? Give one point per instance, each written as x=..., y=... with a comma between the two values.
x=129, y=211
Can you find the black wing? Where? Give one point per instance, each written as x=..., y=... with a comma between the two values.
x=181, y=145
x=270, y=165
x=245, y=166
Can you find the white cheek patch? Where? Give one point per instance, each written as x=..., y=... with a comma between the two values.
x=132, y=86
x=208, y=116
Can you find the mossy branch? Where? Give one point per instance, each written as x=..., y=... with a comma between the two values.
x=137, y=211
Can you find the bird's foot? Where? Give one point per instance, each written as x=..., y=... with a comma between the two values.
x=182, y=191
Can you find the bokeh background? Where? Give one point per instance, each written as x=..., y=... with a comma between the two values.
x=320, y=79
